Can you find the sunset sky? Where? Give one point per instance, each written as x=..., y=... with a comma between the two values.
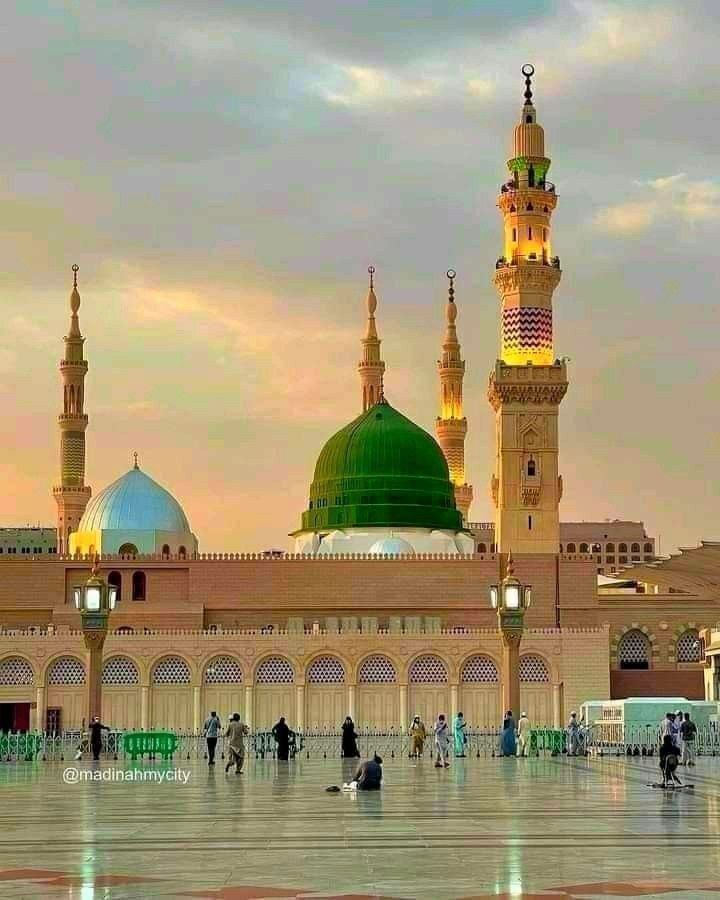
x=224, y=172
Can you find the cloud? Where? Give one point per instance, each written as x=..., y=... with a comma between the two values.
x=366, y=86
x=620, y=33
x=673, y=197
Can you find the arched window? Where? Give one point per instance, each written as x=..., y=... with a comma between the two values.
x=622, y=548
x=529, y=207
x=584, y=548
x=182, y=552
x=561, y=548
x=15, y=670
x=128, y=550
x=571, y=548
x=648, y=548
x=377, y=670
x=66, y=670
x=326, y=670
x=120, y=670
x=635, y=548
x=688, y=647
x=275, y=670
x=166, y=551
x=482, y=548
x=531, y=470
x=531, y=175
x=609, y=548
x=533, y=669
x=223, y=670
x=479, y=669
x=514, y=234
x=115, y=578
x=138, y=586
x=428, y=670
x=171, y=670
x=634, y=650
x=529, y=232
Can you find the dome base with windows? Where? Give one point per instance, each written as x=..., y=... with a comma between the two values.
x=381, y=542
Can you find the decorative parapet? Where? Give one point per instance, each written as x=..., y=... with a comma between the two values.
x=527, y=384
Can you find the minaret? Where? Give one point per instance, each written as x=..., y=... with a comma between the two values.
x=451, y=425
x=72, y=494
x=371, y=367
x=528, y=383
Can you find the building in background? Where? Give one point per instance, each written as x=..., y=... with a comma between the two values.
x=28, y=541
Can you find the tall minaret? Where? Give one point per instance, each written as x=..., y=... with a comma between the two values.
x=528, y=383
x=451, y=425
x=371, y=367
x=72, y=494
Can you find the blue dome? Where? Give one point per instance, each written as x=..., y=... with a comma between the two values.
x=134, y=503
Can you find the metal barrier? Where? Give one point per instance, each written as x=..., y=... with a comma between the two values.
x=601, y=739
x=616, y=739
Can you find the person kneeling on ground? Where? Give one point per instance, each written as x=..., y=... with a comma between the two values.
x=370, y=775
x=669, y=762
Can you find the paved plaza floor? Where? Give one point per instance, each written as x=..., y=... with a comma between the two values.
x=541, y=828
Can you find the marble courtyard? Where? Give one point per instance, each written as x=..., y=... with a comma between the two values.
x=541, y=828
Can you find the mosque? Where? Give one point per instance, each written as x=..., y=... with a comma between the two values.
x=382, y=610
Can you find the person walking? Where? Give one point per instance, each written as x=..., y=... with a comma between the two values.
x=235, y=733
x=523, y=734
x=688, y=731
x=459, y=736
x=508, y=747
x=573, y=734
x=211, y=729
x=96, y=730
x=349, y=739
x=442, y=742
x=282, y=733
x=418, y=735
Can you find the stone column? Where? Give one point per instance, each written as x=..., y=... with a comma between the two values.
x=300, y=707
x=144, y=706
x=94, y=641
x=352, y=692
x=453, y=702
x=403, y=708
x=40, y=713
x=249, y=712
x=511, y=670
x=196, y=709
x=557, y=705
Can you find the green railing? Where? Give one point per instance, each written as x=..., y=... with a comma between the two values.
x=154, y=743
x=25, y=745
x=547, y=740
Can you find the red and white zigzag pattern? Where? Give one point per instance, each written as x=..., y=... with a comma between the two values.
x=527, y=328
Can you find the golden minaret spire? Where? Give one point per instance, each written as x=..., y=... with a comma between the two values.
x=371, y=367
x=72, y=494
x=451, y=424
x=528, y=383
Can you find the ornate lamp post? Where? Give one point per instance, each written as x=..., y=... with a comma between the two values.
x=511, y=599
x=95, y=599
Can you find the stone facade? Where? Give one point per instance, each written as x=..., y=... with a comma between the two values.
x=248, y=608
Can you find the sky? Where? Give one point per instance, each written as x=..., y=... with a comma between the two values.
x=223, y=173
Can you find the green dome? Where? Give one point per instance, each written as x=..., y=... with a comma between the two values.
x=381, y=470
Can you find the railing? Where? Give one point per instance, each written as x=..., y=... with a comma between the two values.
x=541, y=259
x=601, y=739
x=510, y=187
x=616, y=739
